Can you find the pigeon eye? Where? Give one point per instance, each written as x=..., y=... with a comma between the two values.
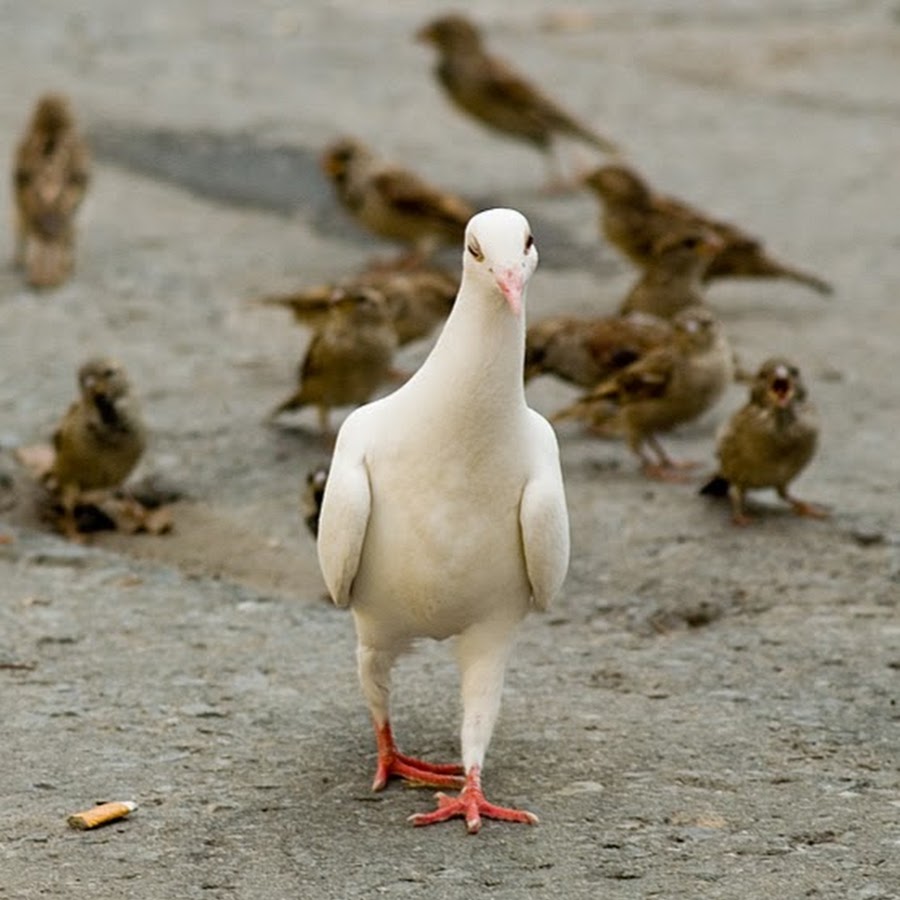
x=475, y=250
x=529, y=242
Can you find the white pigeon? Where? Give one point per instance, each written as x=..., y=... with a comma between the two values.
x=445, y=516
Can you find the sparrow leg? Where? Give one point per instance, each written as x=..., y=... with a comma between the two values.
x=68, y=525
x=803, y=507
x=736, y=498
x=374, y=676
x=325, y=421
x=482, y=657
x=663, y=468
x=557, y=182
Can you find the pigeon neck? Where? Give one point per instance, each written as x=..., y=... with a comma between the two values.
x=480, y=354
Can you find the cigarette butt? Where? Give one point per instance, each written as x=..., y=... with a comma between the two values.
x=100, y=815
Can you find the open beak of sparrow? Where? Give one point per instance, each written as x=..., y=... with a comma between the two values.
x=781, y=388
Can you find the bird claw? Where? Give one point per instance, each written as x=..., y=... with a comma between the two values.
x=471, y=805
x=676, y=472
x=809, y=510
x=417, y=772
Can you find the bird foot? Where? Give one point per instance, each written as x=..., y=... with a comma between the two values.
x=809, y=510
x=676, y=472
x=471, y=805
x=415, y=771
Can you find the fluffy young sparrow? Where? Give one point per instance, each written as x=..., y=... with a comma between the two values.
x=669, y=386
x=672, y=279
x=393, y=202
x=349, y=356
x=51, y=171
x=418, y=300
x=99, y=440
x=768, y=442
x=492, y=92
x=587, y=351
x=635, y=217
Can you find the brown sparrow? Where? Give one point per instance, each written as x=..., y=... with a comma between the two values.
x=100, y=439
x=51, y=171
x=418, y=300
x=635, y=217
x=673, y=277
x=348, y=357
x=669, y=386
x=393, y=202
x=768, y=442
x=587, y=351
x=489, y=90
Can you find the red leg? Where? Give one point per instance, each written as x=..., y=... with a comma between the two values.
x=417, y=771
x=471, y=805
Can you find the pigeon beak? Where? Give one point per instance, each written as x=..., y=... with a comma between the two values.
x=511, y=284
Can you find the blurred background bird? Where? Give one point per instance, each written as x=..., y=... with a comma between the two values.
x=491, y=91
x=394, y=203
x=585, y=351
x=635, y=217
x=51, y=172
x=672, y=279
x=671, y=385
x=417, y=299
x=313, y=492
x=349, y=357
x=768, y=442
x=100, y=439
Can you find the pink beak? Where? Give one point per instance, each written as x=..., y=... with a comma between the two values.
x=511, y=284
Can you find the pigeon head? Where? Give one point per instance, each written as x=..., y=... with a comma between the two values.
x=500, y=255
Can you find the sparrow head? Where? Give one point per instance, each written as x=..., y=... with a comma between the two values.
x=778, y=384
x=687, y=250
x=340, y=158
x=364, y=305
x=451, y=33
x=500, y=252
x=103, y=377
x=618, y=184
x=52, y=113
x=696, y=328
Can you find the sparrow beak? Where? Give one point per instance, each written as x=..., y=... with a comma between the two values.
x=331, y=165
x=511, y=284
x=782, y=389
x=712, y=245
